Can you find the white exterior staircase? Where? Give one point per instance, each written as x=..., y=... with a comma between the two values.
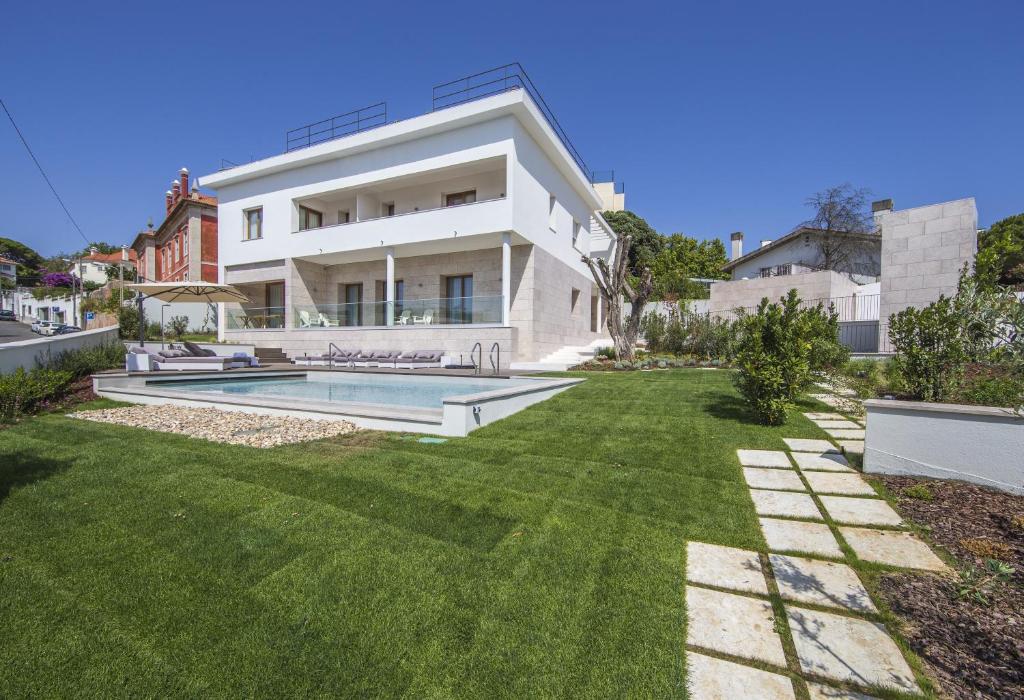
x=564, y=358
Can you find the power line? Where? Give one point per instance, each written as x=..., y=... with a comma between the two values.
x=43, y=173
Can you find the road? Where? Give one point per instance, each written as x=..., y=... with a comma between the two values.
x=11, y=331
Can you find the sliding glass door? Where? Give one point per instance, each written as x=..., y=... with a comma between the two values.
x=459, y=299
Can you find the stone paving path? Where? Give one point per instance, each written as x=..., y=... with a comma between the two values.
x=811, y=504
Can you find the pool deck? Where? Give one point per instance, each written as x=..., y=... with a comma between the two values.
x=289, y=367
x=458, y=415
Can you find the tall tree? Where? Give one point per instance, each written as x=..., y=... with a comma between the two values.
x=617, y=280
x=1001, y=252
x=646, y=242
x=683, y=258
x=28, y=260
x=839, y=210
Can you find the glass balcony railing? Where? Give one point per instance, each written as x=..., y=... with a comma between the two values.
x=405, y=312
x=255, y=317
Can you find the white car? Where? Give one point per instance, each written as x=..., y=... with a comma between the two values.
x=48, y=327
x=35, y=325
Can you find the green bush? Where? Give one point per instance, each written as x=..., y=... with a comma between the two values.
x=931, y=349
x=24, y=392
x=778, y=349
x=128, y=320
x=990, y=385
x=605, y=352
x=85, y=361
x=686, y=333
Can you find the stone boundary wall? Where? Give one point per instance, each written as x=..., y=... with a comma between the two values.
x=25, y=353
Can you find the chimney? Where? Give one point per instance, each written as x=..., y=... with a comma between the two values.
x=765, y=243
x=880, y=209
x=176, y=189
x=184, y=181
x=93, y=250
x=737, y=245
x=170, y=199
x=124, y=253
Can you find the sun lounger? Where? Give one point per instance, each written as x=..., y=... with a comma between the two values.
x=377, y=358
x=414, y=359
x=181, y=360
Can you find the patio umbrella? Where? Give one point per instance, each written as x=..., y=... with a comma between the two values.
x=201, y=292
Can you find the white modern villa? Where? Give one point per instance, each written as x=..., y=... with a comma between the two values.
x=464, y=225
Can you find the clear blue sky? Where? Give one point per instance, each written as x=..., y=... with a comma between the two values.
x=718, y=116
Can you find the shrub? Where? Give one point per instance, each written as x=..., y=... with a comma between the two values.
x=919, y=492
x=607, y=353
x=128, y=320
x=86, y=361
x=930, y=349
x=775, y=354
x=23, y=392
x=178, y=326
x=987, y=384
x=687, y=333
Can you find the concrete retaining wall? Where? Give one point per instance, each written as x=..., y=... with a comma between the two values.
x=26, y=353
x=979, y=444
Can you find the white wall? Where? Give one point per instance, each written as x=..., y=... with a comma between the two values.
x=26, y=353
x=804, y=253
x=970, y=443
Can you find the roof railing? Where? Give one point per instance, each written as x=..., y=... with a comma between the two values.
x=335, y=127
x=497, y=80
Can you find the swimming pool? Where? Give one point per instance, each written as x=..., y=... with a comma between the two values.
x=434, y=404
x=377, y=389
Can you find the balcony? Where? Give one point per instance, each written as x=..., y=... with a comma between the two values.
x=405, y=313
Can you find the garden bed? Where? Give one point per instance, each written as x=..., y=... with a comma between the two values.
x=974, y=650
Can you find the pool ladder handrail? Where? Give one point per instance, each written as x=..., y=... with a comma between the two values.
x=479, y=350
x=330, y=354
x=495, y=368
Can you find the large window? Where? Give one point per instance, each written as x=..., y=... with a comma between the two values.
x=456, y=198
x=274, y=298
x=351, y=311
x=782, y=270
x=253, y=224
x=310, y=218
x=766, y=272
x=387, y=209
x=459, y=301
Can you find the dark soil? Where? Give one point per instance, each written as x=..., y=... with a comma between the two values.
x=973, y=650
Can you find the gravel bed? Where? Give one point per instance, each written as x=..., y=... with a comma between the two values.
x=232, y=427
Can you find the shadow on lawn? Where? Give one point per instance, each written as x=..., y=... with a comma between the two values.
x=23, y=468
x=731, y=408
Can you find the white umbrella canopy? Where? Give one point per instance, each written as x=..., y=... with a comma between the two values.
x=203, y=292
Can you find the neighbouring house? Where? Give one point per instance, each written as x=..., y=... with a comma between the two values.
x=460, y=226
x=9, y=270
x=8, y=273
x=93, y=267
x=913, y=256
x=184, y=246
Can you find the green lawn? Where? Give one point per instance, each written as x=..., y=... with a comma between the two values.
x=541, y=556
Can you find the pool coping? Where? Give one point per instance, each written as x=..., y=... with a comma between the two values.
x=457, y=417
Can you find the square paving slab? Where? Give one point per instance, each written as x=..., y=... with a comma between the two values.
x=837, y=425
x=821, y=461
x=824, y=583
x=774, y=459
x=709, y=678
x=892, y=547
x=860, y=511
x=733, y=624
x=848, y=649
x=820, y=691
x=797, y=536
x=853, y=447
x=804, y=445
x=825, y=416
x=857, y=434
x=725, y=567
x=778, y=479
x=847, y=484
x=787, y=503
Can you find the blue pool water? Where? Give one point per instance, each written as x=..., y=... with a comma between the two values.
x=418, y=392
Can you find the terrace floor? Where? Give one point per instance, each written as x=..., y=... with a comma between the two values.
x=543, y=555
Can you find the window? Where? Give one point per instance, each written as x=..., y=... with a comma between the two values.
x=575, y=300
x=456, y=198
x=594, y=301
x=310, y=218
x=459, y=299
x=575, y=232
x=184, y=245
x=351, y=311
x=552, y=224
x=343, y=216
x=766, y=272
x=253, y=224
x=387, y=209
x=274, y=298
x=782, y=270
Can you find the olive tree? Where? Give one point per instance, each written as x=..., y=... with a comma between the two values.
x=616, y=283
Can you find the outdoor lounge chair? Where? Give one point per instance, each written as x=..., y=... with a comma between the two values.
x=238, y=359
x=325, y=322
x=374, y=359
x=181, y=360
x=304, y=321
x=418, y=359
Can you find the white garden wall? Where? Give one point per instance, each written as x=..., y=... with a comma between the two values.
x=25, y=353
x=979, y=444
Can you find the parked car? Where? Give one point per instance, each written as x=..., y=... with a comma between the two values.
x=35, y=325
x=7, y=315
x=49, y=327
x=64, y=330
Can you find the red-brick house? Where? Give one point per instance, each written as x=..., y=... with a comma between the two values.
x=184, y=246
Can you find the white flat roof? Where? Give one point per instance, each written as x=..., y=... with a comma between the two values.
x=514, y=102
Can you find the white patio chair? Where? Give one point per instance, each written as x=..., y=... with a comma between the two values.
x=304, y=321
x=326, y=322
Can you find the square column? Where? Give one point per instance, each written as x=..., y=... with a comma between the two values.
x=506, y=278
x=389, y=288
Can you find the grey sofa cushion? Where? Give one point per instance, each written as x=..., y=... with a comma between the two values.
x=429, y=356
x=138, y=350
x=206, y=352
x=193, y=349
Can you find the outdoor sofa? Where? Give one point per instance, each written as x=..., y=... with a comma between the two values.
x=192, y=358
x=412, y=359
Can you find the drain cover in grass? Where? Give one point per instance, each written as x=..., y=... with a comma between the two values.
x=432, y=440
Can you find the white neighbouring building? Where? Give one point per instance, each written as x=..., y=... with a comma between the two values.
x=464, y=225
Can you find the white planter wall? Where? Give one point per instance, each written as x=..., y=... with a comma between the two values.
x=980, y=444
x=25, y=353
